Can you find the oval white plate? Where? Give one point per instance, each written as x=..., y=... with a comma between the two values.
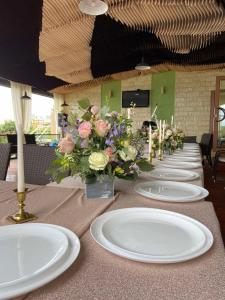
x=49, y=274
x=186, y=154
x=151, y=235
x=180, y=165
x=28, y=250
x=182, y=158
x=167, y=190
x=173, y=174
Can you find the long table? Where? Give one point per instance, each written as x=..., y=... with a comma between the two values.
x=99, y=274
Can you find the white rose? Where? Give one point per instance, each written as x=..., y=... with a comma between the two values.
x=98, y=161
x=128, y=153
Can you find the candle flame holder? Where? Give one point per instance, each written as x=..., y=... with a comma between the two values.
x=22, y=216
x=160, y=152
x=150, y=157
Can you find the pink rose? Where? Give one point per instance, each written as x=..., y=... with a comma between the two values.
x=84, y=129
x=102, y=127
x=109, y=152
x=66, y=145
x=94, y=110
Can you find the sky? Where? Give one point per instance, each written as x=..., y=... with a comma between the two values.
x=41, y=106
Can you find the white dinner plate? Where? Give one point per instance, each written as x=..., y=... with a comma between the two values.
x=151, y=235
x=182, y=158
x=173, y=174
x=168, y=190
x=180, y=165
x=186, y=154
x=20, y=245
x=56, y=269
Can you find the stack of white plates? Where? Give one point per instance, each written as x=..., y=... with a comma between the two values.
x=180, y=165
x=33, y=255
x=171, y=191
x=151, y=235
x=173, y=174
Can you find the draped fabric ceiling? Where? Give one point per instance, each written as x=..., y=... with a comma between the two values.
x=51, y=44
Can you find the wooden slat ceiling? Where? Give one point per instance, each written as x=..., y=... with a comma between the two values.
x=83, y=50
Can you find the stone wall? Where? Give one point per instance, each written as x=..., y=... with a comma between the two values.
x=93, y=94
x=193, y=101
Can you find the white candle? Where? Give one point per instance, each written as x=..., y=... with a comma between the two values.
x=128, y=113
x=172, y=120
x=163, y=133
x=160, y=131
x=20, y=162
x=150, y=139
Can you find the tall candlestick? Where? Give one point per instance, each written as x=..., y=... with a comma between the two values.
x=150, y=140
x=163, y=133
x=172, y=120
x=160, y=131
x=20, y=162
x=128, y=113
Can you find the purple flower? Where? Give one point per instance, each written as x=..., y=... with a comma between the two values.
x=109, y=142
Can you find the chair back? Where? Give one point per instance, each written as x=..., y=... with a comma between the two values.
x=190, y=139
x=12, y=139
x=30, y=138
x=37, y=160
x=5, y=150
x=207, y=139
x=206, y=143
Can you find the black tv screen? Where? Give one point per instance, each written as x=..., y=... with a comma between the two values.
x=139, y=97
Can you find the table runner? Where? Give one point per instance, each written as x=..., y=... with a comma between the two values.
x=54, y=205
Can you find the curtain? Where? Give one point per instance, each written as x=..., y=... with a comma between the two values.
x=58, y=101
x=21, y=108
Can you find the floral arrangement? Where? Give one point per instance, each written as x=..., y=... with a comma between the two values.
x=173, y=138
x=179, y=137
x=99, y=143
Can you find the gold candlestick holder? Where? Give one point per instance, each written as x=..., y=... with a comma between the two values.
x=160, y=152
x=150, y=157
x=22, y=216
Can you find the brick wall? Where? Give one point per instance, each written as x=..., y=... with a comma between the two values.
x=193, y=100
x=93, y=94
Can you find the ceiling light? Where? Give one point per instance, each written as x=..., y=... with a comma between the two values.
x=64, y=104
x=142, y=66
x=25, y=97
x=93, y=7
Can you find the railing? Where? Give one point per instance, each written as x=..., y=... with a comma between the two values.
x=42, y=138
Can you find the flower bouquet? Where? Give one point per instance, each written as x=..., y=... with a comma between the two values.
x=99, y=146
x=179, y=137
x=168, y=139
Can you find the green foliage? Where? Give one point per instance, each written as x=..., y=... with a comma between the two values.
x=8, y=127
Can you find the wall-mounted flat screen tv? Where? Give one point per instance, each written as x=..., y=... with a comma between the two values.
x=138, y=97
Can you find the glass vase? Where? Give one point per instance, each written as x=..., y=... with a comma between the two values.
x=100, y=188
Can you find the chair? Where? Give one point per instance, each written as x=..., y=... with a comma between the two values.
x=206, y=147
x=5, y=151
x=12, y=139
x=37, y=160
x=146, y=125
x=190, y=139
x=30, y=139
x=219, y=163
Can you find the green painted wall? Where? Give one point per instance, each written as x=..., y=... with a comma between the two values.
x=113, y=87
x=166, y=100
